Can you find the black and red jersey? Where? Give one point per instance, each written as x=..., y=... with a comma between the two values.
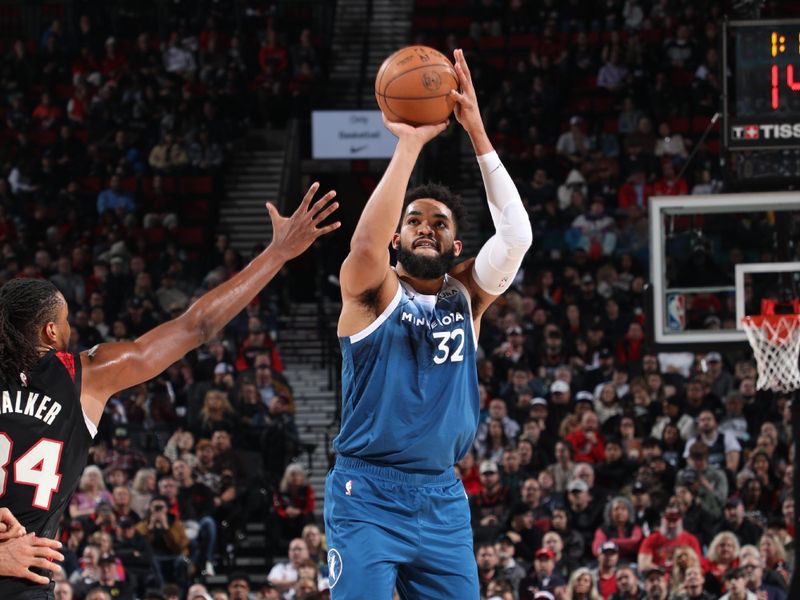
x=44, y=444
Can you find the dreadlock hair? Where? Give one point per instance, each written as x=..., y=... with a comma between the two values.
x=440, y=193
x=26, y=305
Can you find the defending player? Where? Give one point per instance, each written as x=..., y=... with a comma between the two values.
x=394, y=511
x=51, y=400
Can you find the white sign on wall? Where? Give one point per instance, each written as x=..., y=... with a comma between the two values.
x=350, y=134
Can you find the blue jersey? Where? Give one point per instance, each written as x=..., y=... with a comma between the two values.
x=409, y=383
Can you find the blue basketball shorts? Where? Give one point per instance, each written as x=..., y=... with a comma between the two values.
x=387, y=528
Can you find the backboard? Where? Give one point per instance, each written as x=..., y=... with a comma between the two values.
x=713, y=257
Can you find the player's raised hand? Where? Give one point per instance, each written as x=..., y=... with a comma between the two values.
x=421, y=134
x=19, y=555
x=9, y=526
x=293, y=235
x=466, y=109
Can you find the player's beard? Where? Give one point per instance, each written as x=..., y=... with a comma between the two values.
x=425, y=267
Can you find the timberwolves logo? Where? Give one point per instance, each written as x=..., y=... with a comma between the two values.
x=334, y=567
x=431, y=81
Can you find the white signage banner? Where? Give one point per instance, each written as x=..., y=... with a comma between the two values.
x=350, y=134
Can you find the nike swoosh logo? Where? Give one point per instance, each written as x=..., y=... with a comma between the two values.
x=354, y=149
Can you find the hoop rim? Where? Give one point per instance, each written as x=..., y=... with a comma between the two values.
x=776, y=334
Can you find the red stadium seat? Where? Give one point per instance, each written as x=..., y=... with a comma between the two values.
x=90, y=184
x=524, y=41
x=699, y=124
x=495, y=42
x=679, y=125
x=190, y=236
x=203, y=184
x=424, y=23
x=195, y=209
x=154, y=235
x=82, y=135
x=456, y=23
x=129, y=184
x=42, y=138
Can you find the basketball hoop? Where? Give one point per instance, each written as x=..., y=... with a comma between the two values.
x=775, y=339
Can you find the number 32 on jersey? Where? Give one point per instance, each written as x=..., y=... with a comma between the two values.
x=451, y=345
x=38, y=467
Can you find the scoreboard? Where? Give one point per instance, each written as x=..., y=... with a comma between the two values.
x=762, y=98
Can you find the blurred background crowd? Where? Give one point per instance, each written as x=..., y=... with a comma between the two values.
x=601, y=468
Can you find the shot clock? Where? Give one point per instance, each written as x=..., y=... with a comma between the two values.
x=762, y=98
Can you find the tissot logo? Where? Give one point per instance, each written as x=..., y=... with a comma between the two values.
x=766, y=131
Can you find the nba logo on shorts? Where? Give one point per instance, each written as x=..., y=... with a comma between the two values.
x=676, y=312
x=334, y=567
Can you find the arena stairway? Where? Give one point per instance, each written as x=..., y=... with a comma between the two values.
x=253, y=177
x=362, y=39
x=306, y=359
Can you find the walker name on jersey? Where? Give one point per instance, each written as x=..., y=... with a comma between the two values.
x=31, y=404
x=449, y=319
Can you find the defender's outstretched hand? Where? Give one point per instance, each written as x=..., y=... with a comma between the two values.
x=292, y=236
x=466, y=110
x=422, y=134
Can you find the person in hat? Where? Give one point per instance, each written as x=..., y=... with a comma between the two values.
x=109, y=578
x=510, y=568
x=606, y=572
x=136, y=555
x=123, y=455
x=746, y=530
x=644, y=513
x=710, y=478
x=657, y=548
x=655, y=583
x=542, y=577
x=490, y=508
x=585, y=513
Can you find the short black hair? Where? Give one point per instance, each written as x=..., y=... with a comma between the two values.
x=443, y=194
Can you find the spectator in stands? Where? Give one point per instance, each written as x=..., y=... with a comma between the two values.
x=736, y=584
x=745, y=529
x=620, y=528
x=122, y=454
x=542, y=577
x=169, y=156
x=587, y=442
x=293, y=503
x=115, y=199
x=489, y=508
x=582, y=585
x=46, y=115
x=204, y=154
x=658, y=547
x=613, y=75
x=167, y=537
x=284, y=575
x=136, y=555
x=92, y=491
x=655, y=584
x=217, y=412
x=722, y=554
x=489, y=570
x=605, y=575
x=724, y=448
x=196, y=506
x=627, y=585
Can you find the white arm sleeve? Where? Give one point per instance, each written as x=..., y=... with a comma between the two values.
x=500, y=258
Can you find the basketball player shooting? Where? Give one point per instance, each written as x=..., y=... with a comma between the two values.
x=394, y=512
x=51, y=400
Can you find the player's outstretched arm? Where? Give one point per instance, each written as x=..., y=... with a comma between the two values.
x=367, y=265
x=109, y=368
x=20, y=554
x=498, y=261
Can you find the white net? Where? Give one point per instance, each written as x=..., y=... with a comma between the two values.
x=776, y=344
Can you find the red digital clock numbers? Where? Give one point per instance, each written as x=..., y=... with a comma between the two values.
x=779, y=47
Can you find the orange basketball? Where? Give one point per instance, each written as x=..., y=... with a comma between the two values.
x=413, y=86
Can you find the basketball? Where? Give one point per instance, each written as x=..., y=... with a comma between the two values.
x=413, y=86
